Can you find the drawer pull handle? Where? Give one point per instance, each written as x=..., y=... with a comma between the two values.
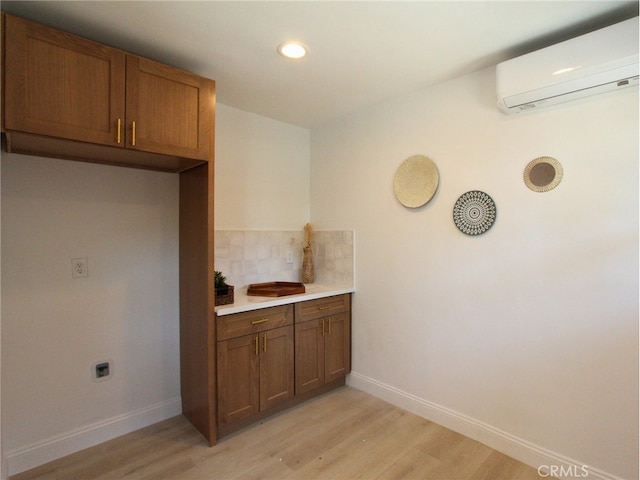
x=256, y=322
x=326, y=307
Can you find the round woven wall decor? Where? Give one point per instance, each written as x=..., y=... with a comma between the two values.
x=543, y=174
x=416, y=181
x=474, y=212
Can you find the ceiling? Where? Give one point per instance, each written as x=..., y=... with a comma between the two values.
x=360, y=53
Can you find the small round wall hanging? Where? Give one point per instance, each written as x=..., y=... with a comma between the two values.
x=474, y=212
x=543, y=174
x=416, y=181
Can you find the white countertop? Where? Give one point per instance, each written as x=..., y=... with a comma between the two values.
x=246, y=303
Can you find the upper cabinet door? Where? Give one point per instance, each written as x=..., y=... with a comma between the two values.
x=60, y=85
x=169, y=111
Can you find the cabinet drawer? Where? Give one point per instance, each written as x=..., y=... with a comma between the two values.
x=322, y=307
x=238, y=324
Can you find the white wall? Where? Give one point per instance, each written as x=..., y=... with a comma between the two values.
x=262, y=172
x=54, y=328
x=528, y=333
x=530, y=329
x=125, y=221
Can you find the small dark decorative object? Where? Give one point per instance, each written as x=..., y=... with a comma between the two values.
x=543, y=174
x=275, y=289
x=474, y=212
x=224, y=292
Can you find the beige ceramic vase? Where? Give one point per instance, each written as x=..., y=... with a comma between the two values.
x=307, y=265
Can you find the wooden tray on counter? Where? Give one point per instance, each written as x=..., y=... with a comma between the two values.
x=275, y=289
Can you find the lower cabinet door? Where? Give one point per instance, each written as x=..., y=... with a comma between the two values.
x=309, y=356
x=255, y=373
x=238, y=379
x=323, y=351
x=276, y=367
x=337, y=347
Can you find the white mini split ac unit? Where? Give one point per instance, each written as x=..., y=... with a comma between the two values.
x=597, y=62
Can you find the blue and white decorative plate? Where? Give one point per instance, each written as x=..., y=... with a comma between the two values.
x=474, y=212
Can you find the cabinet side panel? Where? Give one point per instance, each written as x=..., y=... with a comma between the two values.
x=197, y=346
x=3, y=71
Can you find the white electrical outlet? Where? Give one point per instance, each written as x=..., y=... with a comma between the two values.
x=79, y=268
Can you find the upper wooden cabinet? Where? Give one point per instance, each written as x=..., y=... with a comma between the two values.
x=167, y=110
x=62, y=87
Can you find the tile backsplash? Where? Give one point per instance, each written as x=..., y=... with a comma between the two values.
x=248, y=256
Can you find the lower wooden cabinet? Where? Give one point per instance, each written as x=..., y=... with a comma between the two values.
x=323, y=350
x=255, y=371
x=276, y=367
x=337, y=347
x=238, y=379
x=267, y=361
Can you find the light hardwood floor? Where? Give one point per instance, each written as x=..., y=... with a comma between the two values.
x=346, y=434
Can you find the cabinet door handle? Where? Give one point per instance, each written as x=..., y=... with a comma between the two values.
x=323, y=327
x=256, y=345
x=264, y=345
x=118, y=139
x=133, y=133
x=256, y=322
x=329, y=326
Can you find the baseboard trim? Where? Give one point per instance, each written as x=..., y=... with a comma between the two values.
x=515, y=447
x=4, y=467
x=59, y=446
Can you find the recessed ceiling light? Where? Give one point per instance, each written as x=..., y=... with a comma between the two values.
x=292, y=50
